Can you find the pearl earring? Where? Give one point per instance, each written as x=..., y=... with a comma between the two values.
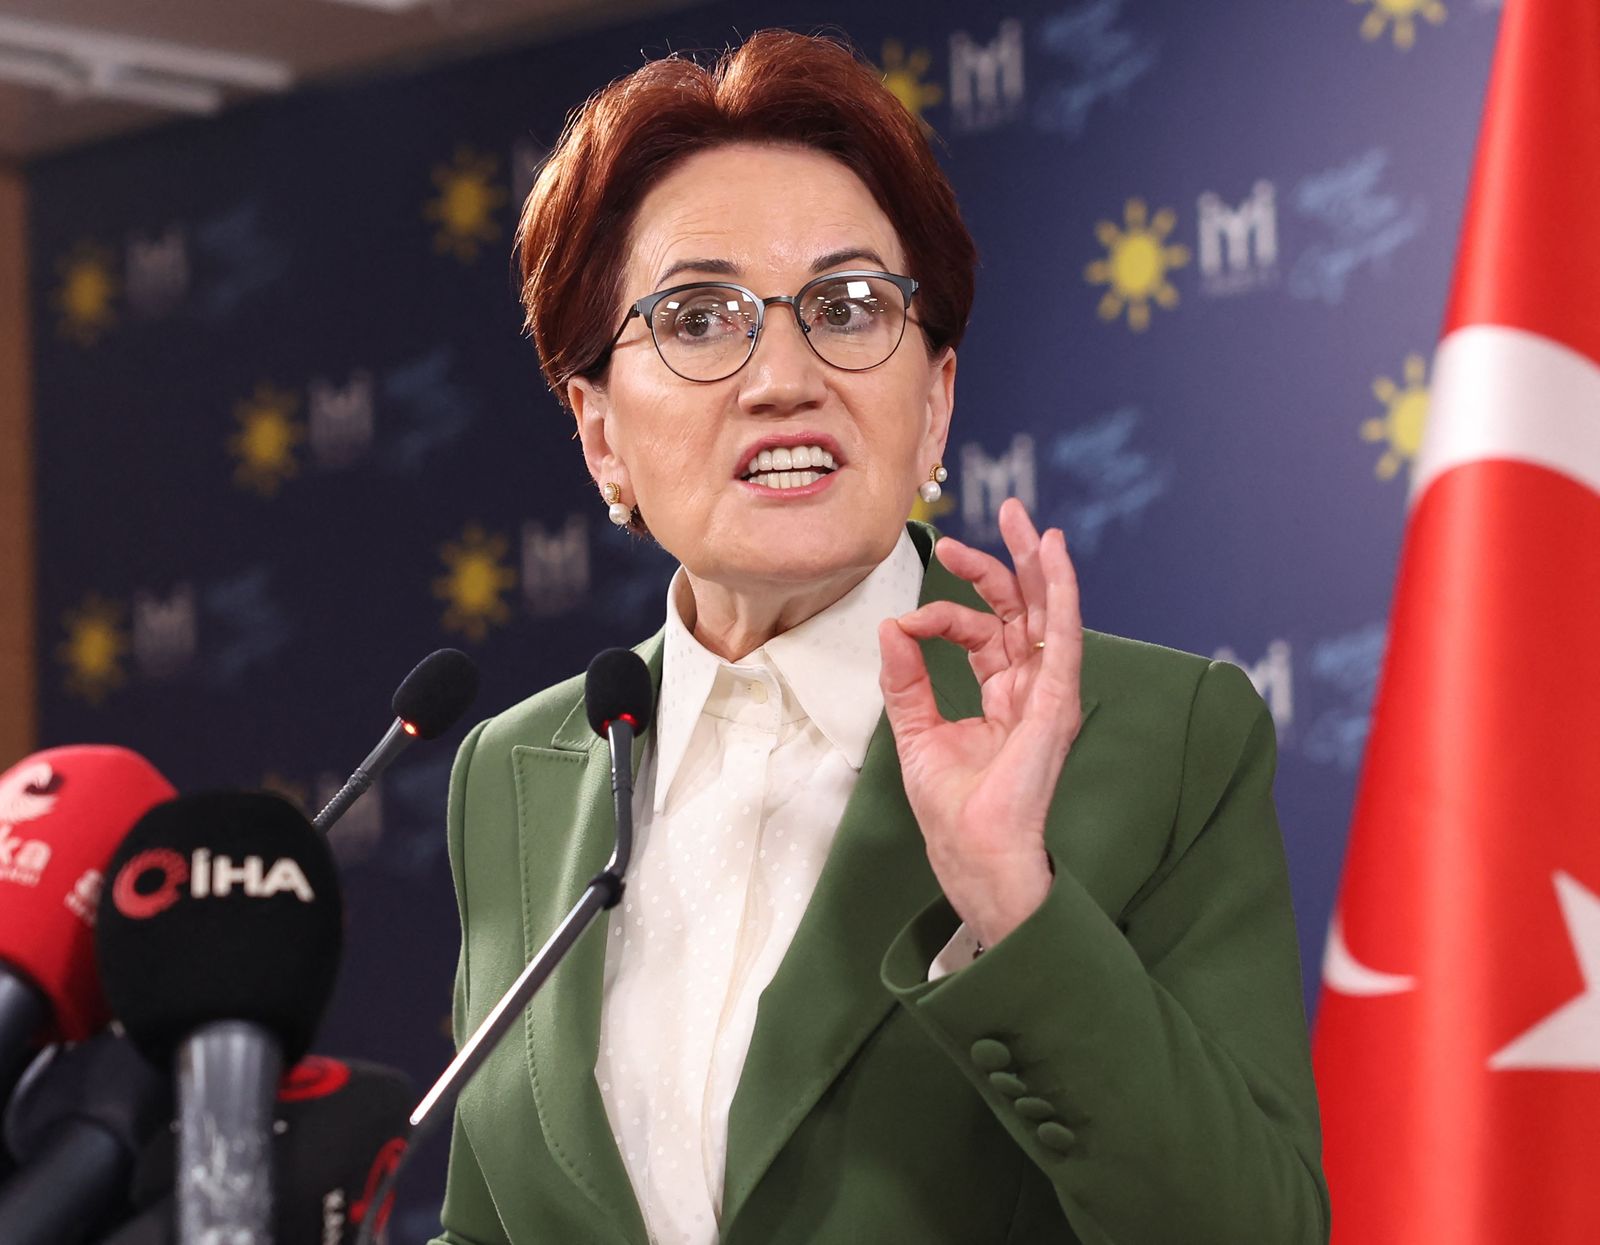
x=618, y=513
x=929, y=489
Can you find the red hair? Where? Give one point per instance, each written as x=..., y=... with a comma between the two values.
x=777, y=87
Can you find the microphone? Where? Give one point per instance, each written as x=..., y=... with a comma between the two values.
x=425, y=705
x=619, y=701
x=219, y=939
x=339, y=1127
x=77, y=1123
x=62, y=812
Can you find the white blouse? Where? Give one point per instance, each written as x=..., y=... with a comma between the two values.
x=739, y=796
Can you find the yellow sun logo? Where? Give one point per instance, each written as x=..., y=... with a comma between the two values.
x=1138, y=258
x=93, y=649
x=1402, y=15
x=1405, y=417
x=266, y=440
x=902, y=74
x=474, y=582
x=465, y=205
x=86, y=291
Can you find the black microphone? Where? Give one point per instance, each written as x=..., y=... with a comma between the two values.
x=77, y=1124
x=218, y=939
x=425, y=705
x=340, y=1127
x=619, y=701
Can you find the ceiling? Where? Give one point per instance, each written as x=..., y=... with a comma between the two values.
x=76, y=71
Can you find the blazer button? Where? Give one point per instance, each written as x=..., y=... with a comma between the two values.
x=1034, y=1109
x=1056, y=1136
x=991, y=1055
x=1009, y=1085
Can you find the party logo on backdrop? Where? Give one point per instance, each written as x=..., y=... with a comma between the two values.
x=1238, y=243
x=157, y=272
x=264, y=444
x=1100, y=58
x=92, y=652
x=1273, y=678
x=475, y=582
x=341, y=419
x=1137, y=262
x=905, y=73
x=556, y=566
x=1405, y=417
x=987, y=480
x=463, y=210
x=86, y=293
x=1399, y=18
x=987, y=83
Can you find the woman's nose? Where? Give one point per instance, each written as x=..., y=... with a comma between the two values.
x=784, y=372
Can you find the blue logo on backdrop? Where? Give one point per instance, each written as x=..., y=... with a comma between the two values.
x=431, y=410
x=1110, y=481
x=1347, y=666
x=244, y=259
x=255, y=626
x=1103, y=58
x=1367, y=225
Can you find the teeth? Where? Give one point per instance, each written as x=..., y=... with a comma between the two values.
x=790, y=458
x=786, y=479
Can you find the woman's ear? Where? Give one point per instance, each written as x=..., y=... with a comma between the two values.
x=941, y=403
x=591, y=408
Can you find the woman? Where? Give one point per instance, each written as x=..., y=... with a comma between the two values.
x=949, y=921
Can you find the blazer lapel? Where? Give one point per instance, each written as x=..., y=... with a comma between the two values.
x=826, y=997
x=567, y=832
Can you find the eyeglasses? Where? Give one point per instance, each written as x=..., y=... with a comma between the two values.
x=707, y=330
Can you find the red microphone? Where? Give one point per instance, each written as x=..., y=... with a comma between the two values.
x=62, y=814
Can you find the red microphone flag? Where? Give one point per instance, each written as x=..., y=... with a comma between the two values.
x=1457, y=1042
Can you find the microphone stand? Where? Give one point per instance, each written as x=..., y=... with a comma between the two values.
x=603, y=892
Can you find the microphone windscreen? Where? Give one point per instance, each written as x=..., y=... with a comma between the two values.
x=62, y=813
x=220, y=906
x=437, y=692
x=618, y=683
x=104, y=1081
x=340, y=1127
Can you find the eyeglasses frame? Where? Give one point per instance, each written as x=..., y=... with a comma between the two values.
x=645, y=309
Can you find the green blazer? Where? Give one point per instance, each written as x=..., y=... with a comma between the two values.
x=1129, y=1066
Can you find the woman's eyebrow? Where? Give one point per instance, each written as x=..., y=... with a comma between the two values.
x=727, y=268
x=834, y=258
x=720, y=267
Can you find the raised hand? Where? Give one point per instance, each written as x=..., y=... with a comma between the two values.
x=980, y=787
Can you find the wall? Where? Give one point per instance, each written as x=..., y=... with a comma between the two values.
x=17, y=666
x=291, y=438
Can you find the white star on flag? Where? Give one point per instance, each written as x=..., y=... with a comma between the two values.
x=1569, y=1038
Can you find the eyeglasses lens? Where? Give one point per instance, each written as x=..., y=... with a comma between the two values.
x=707, y=332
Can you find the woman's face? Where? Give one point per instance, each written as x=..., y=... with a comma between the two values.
x=770, y=218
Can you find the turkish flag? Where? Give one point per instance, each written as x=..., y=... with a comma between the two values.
x=1458, y=1038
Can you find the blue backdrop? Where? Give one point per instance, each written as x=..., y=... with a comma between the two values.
x=290, y=439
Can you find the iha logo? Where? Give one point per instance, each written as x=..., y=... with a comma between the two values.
x=208, y=876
